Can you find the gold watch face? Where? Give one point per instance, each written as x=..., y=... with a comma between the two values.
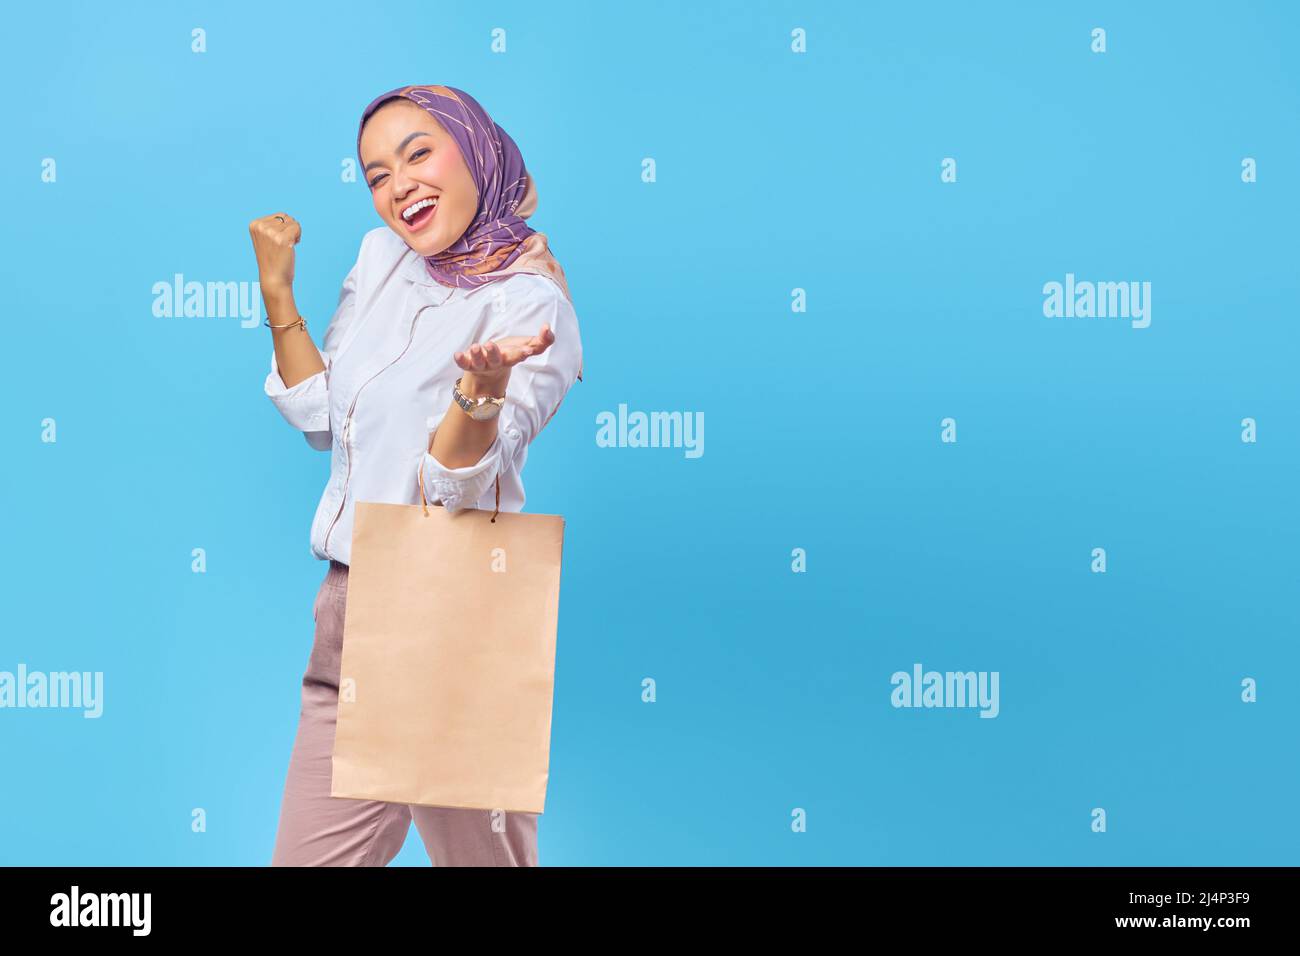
x=485, y=411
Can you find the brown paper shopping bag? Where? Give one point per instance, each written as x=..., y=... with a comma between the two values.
x=448, y=662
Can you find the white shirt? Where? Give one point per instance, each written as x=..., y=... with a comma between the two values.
x=387, y=384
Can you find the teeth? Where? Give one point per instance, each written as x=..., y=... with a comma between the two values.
x=411, y=210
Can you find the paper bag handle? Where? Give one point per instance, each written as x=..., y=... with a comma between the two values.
x=419, y=480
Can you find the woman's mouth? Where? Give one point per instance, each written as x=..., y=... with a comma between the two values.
x=418, y=215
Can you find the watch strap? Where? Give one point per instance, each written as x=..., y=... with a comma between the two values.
x=469, y=404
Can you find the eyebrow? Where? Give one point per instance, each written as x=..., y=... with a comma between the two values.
x=397, y=152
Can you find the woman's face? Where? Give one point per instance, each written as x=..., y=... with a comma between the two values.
x=407, y=157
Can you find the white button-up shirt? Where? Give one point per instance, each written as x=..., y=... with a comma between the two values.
x=387, y=384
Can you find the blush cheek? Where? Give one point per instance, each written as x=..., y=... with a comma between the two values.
x=449, y=171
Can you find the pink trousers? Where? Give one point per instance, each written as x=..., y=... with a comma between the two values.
x=319, y=830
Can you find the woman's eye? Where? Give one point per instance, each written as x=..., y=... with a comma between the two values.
x=414, y=156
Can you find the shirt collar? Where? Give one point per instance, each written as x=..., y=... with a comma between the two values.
x=415, y=270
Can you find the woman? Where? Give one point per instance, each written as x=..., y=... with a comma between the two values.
x=453, y=344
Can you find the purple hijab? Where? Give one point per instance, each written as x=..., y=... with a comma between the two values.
x=496, y=237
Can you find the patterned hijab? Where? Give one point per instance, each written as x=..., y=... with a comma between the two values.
x=498, y=242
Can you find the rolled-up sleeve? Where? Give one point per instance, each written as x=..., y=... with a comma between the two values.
x=534, y=392
x=305, y=405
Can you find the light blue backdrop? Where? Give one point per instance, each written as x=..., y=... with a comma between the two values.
x=775, y=171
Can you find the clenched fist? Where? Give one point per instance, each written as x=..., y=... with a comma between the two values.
x=274, y=237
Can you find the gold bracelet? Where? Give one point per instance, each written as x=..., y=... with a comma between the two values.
x=301, y=323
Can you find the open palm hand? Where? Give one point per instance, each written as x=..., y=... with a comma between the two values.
x=489, y=363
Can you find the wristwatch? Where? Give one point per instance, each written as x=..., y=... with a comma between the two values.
x=481, y=409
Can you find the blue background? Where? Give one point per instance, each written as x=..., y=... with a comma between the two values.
x=775, y=171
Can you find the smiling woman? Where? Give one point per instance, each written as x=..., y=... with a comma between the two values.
x=471, y=164
x=413, y=166
x=453, y=344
